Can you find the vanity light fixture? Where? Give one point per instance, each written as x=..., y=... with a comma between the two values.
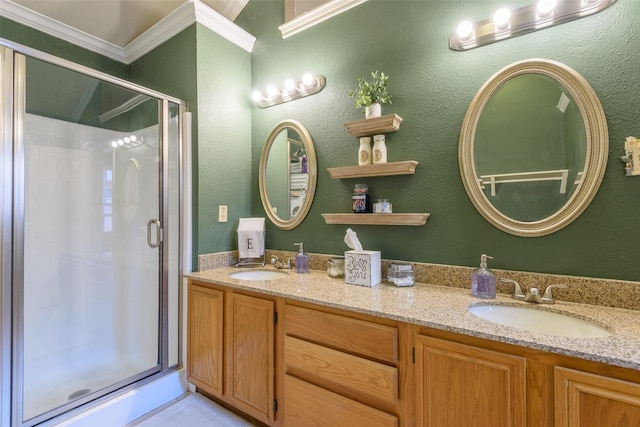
x=309, y=85
x=127, y=142
x=505, y=23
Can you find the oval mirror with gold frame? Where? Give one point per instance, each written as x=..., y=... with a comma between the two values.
x=288, y=174
x=533, y=147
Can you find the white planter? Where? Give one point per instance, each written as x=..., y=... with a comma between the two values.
x=374, y=110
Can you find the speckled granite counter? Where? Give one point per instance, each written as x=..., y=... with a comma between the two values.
x=445, y=308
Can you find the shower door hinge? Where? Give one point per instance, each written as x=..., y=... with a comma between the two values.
x=275, y=406
x=275, y=317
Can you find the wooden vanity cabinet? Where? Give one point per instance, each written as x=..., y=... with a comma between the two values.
x=205, y=331
x=463, y=385
x=340, y=370
x=250, y=355
x=588, y=400
x=231, y=348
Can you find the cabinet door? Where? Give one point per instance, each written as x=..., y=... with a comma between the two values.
x=461, y=385
x=588, y=400
x=204, y=339
x=250, y=349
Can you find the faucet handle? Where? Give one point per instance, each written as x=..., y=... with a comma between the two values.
x=517, y=290
x=547, y=298
x=274, y=259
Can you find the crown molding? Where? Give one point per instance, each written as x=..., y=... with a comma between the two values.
x=224, y=27
x=317, y=15
x=162, y=31
x=37, y=21
x=233, y=9
x=168, y=27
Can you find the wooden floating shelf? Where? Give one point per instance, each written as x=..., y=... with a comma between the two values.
x=376, y=125
x=381, y=169
x=376, y=219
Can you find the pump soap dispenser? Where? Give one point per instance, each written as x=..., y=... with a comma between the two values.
x=302, y=260
x=483, y=280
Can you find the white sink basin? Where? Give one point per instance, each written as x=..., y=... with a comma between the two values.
x=258, y=275
x=546, y=322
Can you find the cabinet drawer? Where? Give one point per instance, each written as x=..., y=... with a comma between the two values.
x=352, y=335
x=309, y=405
x=341, y=372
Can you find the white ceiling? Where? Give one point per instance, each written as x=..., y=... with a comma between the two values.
x=119, y=22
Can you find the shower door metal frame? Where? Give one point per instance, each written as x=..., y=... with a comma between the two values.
x=12, y=82
x=6, y=173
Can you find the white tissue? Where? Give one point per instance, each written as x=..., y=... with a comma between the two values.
x=351, y=239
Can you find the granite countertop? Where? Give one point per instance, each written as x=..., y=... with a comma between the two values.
x=445, y=308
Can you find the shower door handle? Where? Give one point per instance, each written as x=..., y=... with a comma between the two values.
x=150, y=223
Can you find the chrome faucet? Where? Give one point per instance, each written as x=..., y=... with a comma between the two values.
x=517, y=290
x=533, y=294
x=279, y=264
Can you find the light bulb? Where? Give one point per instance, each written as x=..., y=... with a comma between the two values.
x=290, y=85
x=546, y=6
x=133, y=138
x=120, y=142
x=127, y=140
x=114, y=143
x=307, y=79
x=501, y=18
x=272, y=91
x=256, y=96
x=465, y=29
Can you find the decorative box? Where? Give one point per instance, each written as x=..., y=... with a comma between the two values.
x=362, y=268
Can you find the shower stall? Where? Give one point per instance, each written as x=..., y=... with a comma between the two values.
x=91, y=205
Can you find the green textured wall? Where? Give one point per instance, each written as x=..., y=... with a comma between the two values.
x=432, y=87
x=211, y=74
x=224, y=140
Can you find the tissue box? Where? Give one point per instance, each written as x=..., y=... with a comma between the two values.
x=362, y=268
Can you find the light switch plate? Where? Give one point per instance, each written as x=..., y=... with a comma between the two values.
x=222, y=213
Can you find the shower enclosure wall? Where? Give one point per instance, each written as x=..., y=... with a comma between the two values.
x=90, y=192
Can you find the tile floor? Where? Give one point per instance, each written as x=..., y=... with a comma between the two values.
x=191, y=410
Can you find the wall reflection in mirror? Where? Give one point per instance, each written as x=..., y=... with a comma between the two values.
x=288, y=174
x=529, y=156
x=533, y=147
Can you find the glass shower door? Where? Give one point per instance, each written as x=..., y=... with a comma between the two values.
x=90, y=298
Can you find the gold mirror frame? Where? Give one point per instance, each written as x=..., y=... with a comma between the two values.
x=312, y=169
x=596, y=151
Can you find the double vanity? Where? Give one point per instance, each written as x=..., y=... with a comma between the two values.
x=306, y=349
x=303, y=350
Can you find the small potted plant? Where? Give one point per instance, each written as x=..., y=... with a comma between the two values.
x=372, y=93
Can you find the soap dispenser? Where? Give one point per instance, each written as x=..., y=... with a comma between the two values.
x=302, y=260
x=483, y=280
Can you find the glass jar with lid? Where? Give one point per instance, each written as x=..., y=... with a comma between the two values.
x=360, y=199
x=400, y=274
x=335, y=267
